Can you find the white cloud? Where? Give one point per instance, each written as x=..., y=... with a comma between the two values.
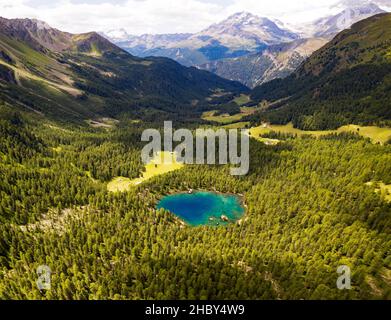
x=156, y=16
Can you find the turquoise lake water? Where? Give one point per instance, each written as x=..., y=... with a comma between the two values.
x=203, y=208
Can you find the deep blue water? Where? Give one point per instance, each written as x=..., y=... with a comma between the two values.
x=203, y=208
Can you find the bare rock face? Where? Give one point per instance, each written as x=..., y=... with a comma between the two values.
x=277, y=61
x=224, y=218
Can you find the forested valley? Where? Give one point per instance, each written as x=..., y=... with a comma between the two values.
x=72, y=111
x=309, y=208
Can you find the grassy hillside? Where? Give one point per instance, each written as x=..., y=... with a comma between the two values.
x=347, y=81
x=375, y=134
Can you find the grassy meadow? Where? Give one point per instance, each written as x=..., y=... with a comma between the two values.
x=375, y=134
x=163, y=162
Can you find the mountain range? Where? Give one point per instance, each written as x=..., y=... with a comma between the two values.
x=84, y=76
x=279, y=61
x=245, y=47
x=79, y=76
x=238, y=35
x=346, y=81
x=328, y=27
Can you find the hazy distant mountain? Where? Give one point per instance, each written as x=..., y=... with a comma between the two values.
x=278, y=61
x=150, y=41
x=384, y=4
x=329, y=26
x=161, y=45
x=240, y=34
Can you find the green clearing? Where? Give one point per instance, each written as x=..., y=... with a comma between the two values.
x=225, y=118
x=89, y=175
x=288, y=128
x=164, y=162
x=376, y=134
x=106, y=123
x=120, y=184
x=237, y=125
x=269, y=142
x=208, y=114
x=242, y=99
x=382, y=188
x=248, y=110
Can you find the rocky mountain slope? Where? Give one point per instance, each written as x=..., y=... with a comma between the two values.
x=277, y=61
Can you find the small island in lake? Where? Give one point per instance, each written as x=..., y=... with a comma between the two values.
x=204, y=208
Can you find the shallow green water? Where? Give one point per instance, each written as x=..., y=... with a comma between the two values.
x=203, y=208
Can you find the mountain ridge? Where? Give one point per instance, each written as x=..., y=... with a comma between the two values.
x=239, y=34
x=346, y=81
x=329, y=27
x=92, y=77
x=277, y=61
x=257, y=68
x=242, y=40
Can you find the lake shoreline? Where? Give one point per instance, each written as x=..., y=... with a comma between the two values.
x=226, y=218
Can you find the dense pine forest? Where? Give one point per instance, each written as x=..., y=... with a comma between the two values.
x=309, y=210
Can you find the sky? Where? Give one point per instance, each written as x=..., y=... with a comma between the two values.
x=158, y=16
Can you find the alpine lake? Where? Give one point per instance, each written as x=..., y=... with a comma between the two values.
x=204, y=208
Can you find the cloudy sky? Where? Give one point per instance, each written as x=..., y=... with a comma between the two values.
x=157, y=16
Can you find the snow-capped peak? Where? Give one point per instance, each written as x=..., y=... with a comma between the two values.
x=344, y=4
x=245, y=18
x=244, y=28
x=241, y=16
x=351, y=12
